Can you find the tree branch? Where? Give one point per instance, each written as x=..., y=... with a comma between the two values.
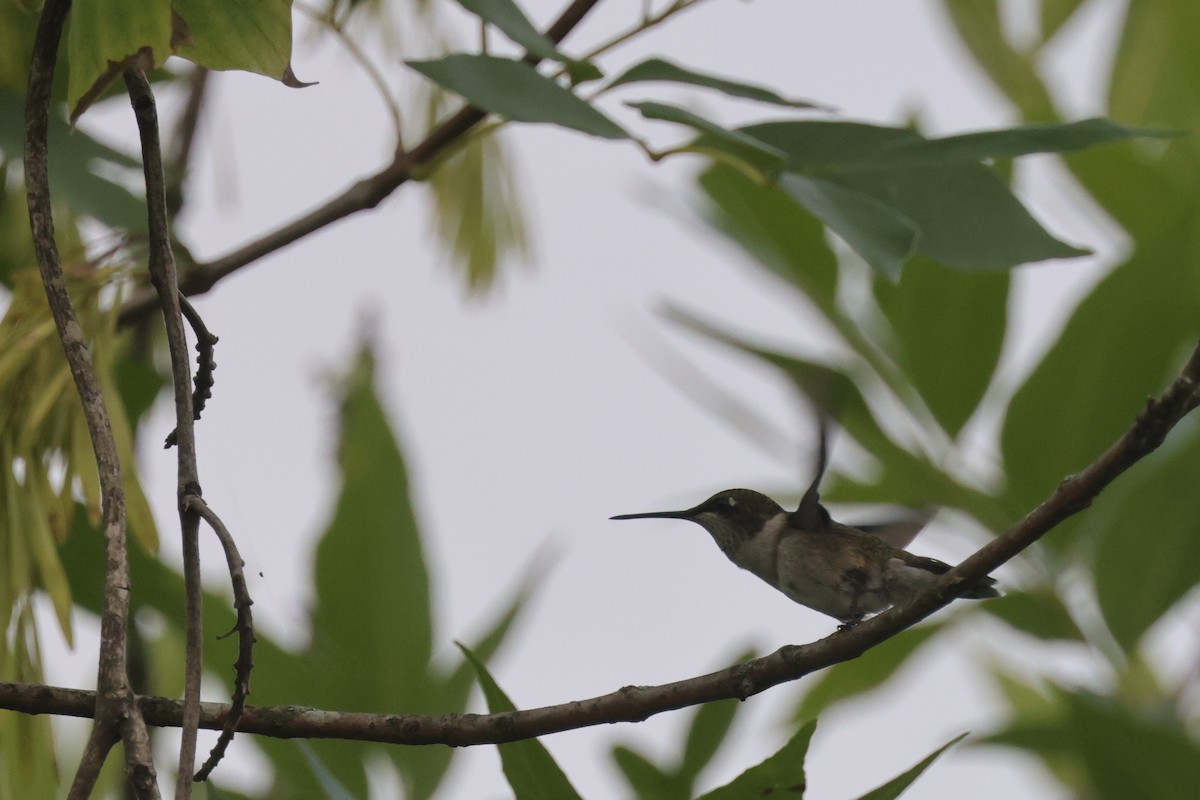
x=115, y=711
x=365, y=194
x=636, y=703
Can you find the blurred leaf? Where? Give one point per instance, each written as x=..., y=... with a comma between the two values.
x=866, y=673
x=708, y=731
x=331, y=788
x=1037, y=612
x=18, y=23
x=1132, y=755
x=731, y=146
x=1056, y=14
x=949, y=327
x=508, y=17
x=656, y=69
x=73, y=174
x=896, y=786
x=515, y=90
x=1149, y=540
x=780, y=775
x=478, y=210
x=775, y=230
x=883, y=236
x=647, y=780
x=531, y=770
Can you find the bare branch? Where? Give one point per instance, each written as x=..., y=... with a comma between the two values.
x=365, y=194
x=116, y=712
x=164, y=279
x=636, y=703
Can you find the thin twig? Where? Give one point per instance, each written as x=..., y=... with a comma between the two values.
x=185, y=138
x=115, y=709
x=365, y=194
x=637, y=703
x=244, y=628
x=164, y=279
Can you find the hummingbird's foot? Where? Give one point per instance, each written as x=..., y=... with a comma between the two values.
x=850, y=623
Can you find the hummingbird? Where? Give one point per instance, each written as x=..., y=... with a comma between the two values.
x=836, y=569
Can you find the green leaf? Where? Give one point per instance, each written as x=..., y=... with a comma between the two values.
x=106, y=37
x=644, y=777
x=708, y=731
x=949, y=327
x=782, y=773
x=896, y=786
x=1149, y=552
x=866, y=673
x=966, y=216
x=508, y=17
x=515, y=90
x=883, y=236
x=1046, y=137
x=1129, y=754
x=733, y=146
x=656, y=69
x=331, y=787
x=531, y=770
x=775, y=231
x=234, y=34
x=1037, y=612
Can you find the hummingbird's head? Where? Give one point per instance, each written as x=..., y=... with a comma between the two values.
x=731, y=516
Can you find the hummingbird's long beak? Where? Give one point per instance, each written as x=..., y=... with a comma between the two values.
x=658, y=515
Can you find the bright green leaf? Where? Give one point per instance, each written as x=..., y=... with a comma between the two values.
x=896, y=786
x=781, y=774
x=644, y=776
x=234, y=34
x=656, y=69
x=864, y=674
x=531, y=770
x=515, y=90
x=508, y=17
x=106, y=37
x=1055, y=14
x=719, y=142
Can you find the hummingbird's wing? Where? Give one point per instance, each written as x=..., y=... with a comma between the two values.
x=811, y=515
x=899, y=533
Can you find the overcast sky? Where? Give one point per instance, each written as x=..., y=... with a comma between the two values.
x=529, y=417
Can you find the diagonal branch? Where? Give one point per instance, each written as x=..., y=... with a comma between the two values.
x=636, y=703
x=365, y=194
x=116, y=712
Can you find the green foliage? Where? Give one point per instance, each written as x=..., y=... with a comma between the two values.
x=782, y=773
x=531, y=770
x=657, y=70
x=896, y=786
x=508, y=17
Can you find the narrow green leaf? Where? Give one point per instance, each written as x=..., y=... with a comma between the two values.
x=864, y=674
x=531, y=770
x=656, y=69
x=515, y=90
x=708, y=731
x=717, y=141
x=883, y=236
x=1149, y=553
x=1056, y=14
x=780, y=775
x=644, y=776
x=234, y=34
x=372, y=617
x=1037, y=612
x=1047, y=137
x=508, y=17
x=896, y=786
